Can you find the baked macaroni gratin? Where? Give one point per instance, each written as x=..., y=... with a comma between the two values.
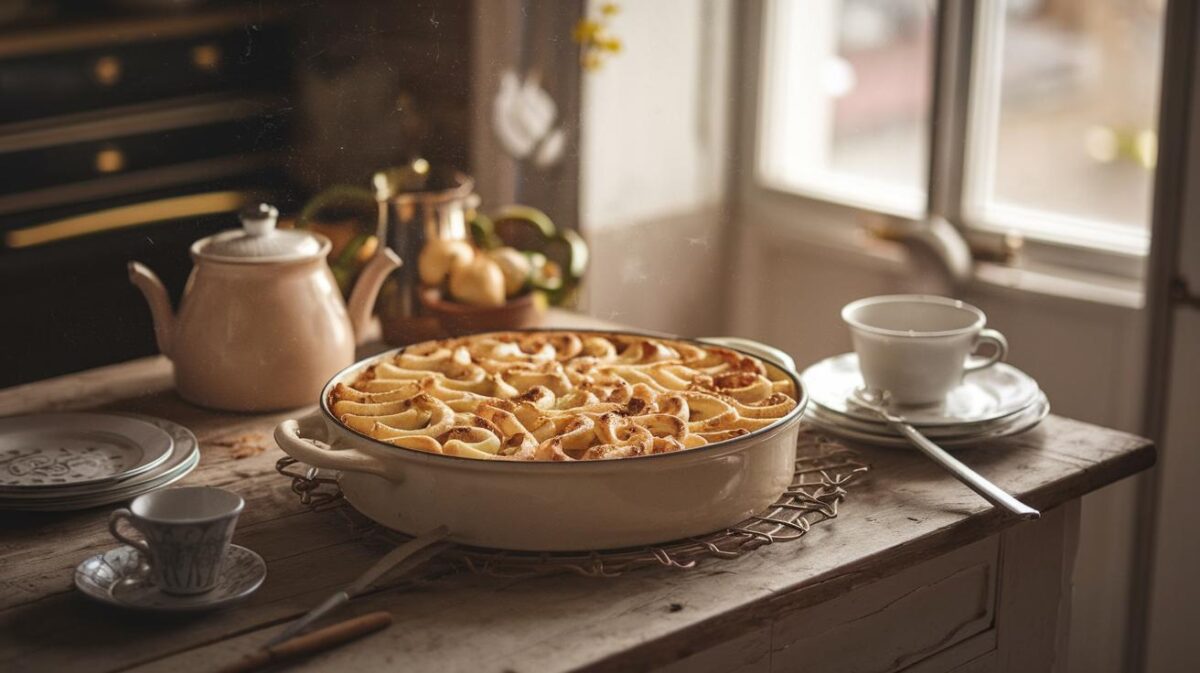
x=562, y=396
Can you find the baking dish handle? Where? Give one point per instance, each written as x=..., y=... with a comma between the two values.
x=769, y=353
x=304, y=440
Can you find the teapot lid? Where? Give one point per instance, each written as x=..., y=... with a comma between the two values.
x=259, y=241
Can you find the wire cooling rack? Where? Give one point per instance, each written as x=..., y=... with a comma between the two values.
x=824, y=471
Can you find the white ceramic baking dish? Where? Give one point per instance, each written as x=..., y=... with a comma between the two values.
x=555, y=506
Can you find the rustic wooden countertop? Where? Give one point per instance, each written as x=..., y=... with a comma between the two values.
x=906, y=511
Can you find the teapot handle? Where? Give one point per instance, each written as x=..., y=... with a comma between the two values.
x=366, y=289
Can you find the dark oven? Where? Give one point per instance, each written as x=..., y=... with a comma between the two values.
x=125, y=138
x=127, y=133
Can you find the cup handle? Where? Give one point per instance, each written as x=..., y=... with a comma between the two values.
x=999, y=350
x=115, y=519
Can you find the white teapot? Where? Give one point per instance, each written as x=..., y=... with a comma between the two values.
x=262, y=325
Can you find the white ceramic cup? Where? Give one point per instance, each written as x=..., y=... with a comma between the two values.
x=186, y=533
x=918, y=347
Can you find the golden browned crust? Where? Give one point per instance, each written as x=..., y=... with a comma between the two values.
x=561, y=396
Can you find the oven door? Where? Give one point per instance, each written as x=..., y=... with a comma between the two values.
x=67, y=301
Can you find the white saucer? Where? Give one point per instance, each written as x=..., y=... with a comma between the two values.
x=103, y=578
x=852, y=430
x=986, y=395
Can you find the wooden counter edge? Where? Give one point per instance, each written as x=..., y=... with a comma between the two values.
x=702, y=635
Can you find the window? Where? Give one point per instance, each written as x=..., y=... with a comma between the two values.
x=846, y=105
x=1057, y=101
x=1074, y=84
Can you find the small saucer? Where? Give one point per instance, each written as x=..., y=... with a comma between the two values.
x=846, y=428
x=986, y=395
x=117, y=577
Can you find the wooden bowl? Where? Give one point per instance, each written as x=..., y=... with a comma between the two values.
x=456, y=318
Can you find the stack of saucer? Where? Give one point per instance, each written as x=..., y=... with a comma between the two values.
x=67, y=461
x=998, y=401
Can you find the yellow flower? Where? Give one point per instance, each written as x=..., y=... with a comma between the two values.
x=591, y=35
x=585, y=31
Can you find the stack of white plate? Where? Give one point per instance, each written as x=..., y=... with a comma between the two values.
x=998, y=401
x=55, y=462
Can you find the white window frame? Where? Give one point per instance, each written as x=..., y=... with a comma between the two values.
x=1048, y=246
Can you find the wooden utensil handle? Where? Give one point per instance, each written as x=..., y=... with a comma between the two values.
x=312, y=643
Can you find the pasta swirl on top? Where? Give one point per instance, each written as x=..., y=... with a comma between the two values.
x=561, y=396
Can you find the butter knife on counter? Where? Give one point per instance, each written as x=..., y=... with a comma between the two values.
x=381, y=567
x=286, y=645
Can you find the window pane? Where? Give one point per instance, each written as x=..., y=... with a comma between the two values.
x=1065, y=122
x=846, y=99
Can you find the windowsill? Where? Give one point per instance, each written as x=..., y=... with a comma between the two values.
x=847, y=190
x=835, y=241
x=853, y=245
x=1065, y=230
x=1064, y=283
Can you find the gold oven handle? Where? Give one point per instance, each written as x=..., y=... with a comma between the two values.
x=133, y=215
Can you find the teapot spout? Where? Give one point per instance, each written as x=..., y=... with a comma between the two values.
x=160, y=304
x=366, y=289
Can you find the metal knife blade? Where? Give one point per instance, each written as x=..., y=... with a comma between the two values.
x=394, y=557
x=377, y=570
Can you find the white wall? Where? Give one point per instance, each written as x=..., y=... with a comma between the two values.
x=653, y=160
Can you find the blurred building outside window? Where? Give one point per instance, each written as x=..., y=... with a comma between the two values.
x=846, y=100
x=1061, y=124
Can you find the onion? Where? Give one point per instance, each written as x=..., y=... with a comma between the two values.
x=441, y=256
x=515, y=267
x=479, y=283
